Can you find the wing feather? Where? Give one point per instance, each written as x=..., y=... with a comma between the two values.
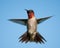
x=19, y=21
x=42, y=19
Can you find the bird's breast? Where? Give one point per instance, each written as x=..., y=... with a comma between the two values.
x=32, y=25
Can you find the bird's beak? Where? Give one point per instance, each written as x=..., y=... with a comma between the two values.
x=26, y=10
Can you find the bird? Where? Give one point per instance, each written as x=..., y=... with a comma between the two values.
x=31, y=35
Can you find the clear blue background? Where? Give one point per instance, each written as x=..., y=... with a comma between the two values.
x=10, y=32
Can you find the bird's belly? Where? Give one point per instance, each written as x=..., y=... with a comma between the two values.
x=32, y=27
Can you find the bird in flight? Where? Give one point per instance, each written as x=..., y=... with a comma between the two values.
x=31, y=23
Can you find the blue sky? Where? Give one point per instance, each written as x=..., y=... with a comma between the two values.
x=10, y=32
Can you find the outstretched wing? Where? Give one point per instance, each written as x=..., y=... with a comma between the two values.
x=19, y=21
x=42, y=19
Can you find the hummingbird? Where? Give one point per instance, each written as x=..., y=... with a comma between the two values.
x=31, y=23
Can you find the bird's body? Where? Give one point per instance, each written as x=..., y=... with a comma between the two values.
x=31, y=34
x=32, y=27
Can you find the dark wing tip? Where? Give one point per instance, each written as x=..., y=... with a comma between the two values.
x=10, y=19
x=14, y=20
x=50, y=16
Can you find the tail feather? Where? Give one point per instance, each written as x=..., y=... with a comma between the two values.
x=39, y=38
x=26, y=37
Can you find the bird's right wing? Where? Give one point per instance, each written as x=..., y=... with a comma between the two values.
x=19, y=21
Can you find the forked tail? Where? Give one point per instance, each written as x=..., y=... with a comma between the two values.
x=26, y=37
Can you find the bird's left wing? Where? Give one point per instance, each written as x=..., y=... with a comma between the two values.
x=42, y=19
x=19, y=21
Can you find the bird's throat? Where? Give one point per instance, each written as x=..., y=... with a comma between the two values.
x=30, y=16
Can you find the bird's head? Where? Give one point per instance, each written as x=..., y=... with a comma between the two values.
x=30, y=13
